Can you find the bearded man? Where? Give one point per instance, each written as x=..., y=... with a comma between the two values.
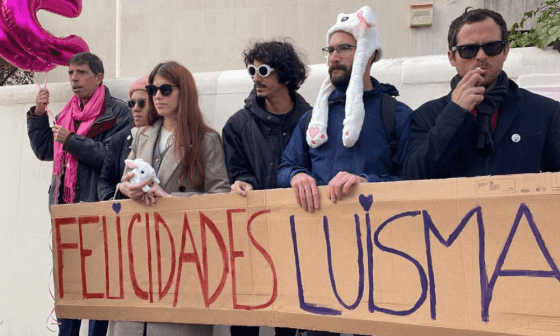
x=345, y=142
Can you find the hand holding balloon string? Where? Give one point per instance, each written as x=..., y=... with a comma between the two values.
x=42, y=101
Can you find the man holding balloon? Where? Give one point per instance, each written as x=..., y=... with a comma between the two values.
x=77, y=143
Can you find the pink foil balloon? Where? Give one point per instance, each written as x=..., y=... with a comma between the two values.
x=25, y=44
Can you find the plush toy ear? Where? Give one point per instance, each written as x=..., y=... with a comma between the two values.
x=131, y=164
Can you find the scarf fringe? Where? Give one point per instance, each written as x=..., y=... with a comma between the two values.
x=69, y=195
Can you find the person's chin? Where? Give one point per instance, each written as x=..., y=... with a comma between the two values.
x=339, y=83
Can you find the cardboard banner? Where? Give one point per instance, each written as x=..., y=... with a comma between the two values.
x=468, y=256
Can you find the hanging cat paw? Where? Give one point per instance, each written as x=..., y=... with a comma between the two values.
x=350, y=135
x=316, y=136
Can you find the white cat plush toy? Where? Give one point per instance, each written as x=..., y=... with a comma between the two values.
x=143, y=171
x=361, y=25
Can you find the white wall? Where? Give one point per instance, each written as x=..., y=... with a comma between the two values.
x=210, y=35
x=25, y=301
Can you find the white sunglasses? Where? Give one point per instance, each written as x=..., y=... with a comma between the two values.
x=264, y=70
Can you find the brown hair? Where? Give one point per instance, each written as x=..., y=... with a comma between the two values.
x=472, y=16
x=191, y=126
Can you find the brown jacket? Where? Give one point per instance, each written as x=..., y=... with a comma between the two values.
x=216, y=180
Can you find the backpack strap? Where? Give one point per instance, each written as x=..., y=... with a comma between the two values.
x=388, y=108
x=308, y=119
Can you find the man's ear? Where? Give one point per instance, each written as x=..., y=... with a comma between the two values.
x=370, y=61
x=506, y=51
x=99, y=78
x=451, y=57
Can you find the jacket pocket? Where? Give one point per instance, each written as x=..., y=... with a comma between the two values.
x=522, y=140
x=527, y=151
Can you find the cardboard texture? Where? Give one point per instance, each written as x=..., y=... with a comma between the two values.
x=471, y=256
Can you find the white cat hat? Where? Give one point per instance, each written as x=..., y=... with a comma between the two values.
x=362, y=26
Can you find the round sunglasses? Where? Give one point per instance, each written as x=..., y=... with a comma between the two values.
x=264, y=70
x=468, y=51
x=141, y=103
x=165, y=89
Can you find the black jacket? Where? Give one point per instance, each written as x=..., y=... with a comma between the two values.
x=89, y=150
x=442, y=141
x=118, y=149
x=254, y=140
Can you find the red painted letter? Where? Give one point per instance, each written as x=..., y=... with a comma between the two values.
x=267, y=258
x=119, y=244
x=82, y=220
x=137, y=290
x=60, y=246
x=159, y=221
x=149, y=247
x=188, y=257
x=233, y=254
x=205, y=221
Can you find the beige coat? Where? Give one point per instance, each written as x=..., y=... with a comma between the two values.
x=216, y=181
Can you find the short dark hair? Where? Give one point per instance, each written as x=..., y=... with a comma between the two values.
x=282, y=56
x=472, y=16
x=94, y=62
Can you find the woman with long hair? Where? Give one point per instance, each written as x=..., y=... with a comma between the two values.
x=187, y=156
x=186, y=153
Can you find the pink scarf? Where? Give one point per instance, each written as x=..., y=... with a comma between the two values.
x=71, y=113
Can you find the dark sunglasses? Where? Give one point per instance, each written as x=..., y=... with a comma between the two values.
x=490, y=49
x=166, y=89
x=141, y=103
x=264, y=70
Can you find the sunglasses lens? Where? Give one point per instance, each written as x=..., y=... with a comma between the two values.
x=166, y=89
x=468, y=51
x=151, y=90
x=251, y=70
x=263, y=71
x=493, y=48
x=131, y=103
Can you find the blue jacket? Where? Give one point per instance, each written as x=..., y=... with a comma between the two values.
x=526, y=139
x=370, y=157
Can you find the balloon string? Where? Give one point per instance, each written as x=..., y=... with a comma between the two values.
x=55, y=322
x=51, y=283
x=49, y=112
x=51, y=319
